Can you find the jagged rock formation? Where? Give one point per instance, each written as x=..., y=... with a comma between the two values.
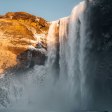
x=21, y=37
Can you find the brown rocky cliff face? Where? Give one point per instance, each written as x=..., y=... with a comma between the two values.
x=20, y=34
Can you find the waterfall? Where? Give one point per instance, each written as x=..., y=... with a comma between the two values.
x=73, y=77
x=68, y=56
x=63, y=79
x=74, y=64
x=51, y=43
x=63, y=38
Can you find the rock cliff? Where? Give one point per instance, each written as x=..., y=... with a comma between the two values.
x=22, y=40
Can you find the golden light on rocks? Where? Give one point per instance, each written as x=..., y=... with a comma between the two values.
x=18, y=31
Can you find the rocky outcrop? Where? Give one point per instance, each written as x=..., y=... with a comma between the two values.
x=22, y=40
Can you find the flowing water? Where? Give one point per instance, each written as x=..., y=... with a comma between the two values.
x=68, y=81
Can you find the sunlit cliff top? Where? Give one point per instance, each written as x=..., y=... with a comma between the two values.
x=18, y=31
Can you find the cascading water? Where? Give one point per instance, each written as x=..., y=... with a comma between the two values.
x=74, y=64
x=67, y=82
x=63, y=38
x=53, y=49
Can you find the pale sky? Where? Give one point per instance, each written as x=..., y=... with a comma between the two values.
x=48, y=9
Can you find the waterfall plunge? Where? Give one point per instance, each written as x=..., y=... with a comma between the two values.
x=63, y=83
x=79, y=82
x=53, y=49
x=68, y=81
x=70, y=62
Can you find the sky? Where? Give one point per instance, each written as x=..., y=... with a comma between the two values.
x=48, y=9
